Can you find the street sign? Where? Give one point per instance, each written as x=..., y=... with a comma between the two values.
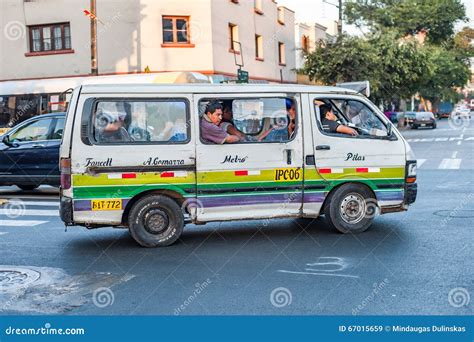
x=242, y=76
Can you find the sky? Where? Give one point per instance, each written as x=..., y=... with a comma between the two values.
x=317, y=11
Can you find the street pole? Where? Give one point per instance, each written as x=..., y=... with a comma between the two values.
x=339, y=22
x=94, y=68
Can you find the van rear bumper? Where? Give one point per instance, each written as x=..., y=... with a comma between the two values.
x=65, y=211
x=411, y=190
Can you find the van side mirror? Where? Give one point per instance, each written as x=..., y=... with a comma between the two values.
x=6, y=141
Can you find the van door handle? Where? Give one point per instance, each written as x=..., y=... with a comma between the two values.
x=323, y=147
x=38, y=146
x=288, y=157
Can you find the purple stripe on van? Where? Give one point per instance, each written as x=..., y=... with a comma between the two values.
x=225, y=201
x=315, y=197
x=390, y=195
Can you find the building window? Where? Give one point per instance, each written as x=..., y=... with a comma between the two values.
x=258, y=7
x=258, y=47
x=176, y=30
x=281, y=53
x=281, y=15
x=305, y=43
x=234, y=37
x=52, y=37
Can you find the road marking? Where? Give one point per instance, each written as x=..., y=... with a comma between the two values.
x=451, y=164
x=455, y=153
x=320, y=274
x=3, y=233
x=459, y=143
x=18, y=211
x=420, y=162
x=20, y=223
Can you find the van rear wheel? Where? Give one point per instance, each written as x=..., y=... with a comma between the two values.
x=351, y=208
x=155, y=221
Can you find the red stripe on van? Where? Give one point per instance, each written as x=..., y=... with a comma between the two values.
x=167, y=174
x=241, y=173
x=129, y=175
x=324, y=170
x=362, y=169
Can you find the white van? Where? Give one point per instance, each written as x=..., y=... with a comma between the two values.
x=141, y=157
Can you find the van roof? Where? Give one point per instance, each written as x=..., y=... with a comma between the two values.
x=211, y=88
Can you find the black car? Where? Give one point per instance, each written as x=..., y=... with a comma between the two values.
x=423, y=119
x=29, y=152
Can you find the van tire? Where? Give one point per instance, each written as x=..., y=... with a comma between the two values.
x=347, y=196
x=155, y=221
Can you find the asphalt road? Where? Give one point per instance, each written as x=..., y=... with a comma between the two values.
x=418, y=262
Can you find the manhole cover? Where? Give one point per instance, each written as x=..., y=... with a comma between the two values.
x=455, y=213
x=14, y=277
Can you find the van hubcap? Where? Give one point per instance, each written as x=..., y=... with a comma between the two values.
x=156, y=221
x=353, y=208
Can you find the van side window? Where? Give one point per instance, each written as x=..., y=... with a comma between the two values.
x=140, y=121
x=251, y=120
x=354, y=114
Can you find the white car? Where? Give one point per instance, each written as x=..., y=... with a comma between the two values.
x=462, y=111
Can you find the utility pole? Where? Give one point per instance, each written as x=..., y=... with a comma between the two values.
x=339, y=20
x=94, y=68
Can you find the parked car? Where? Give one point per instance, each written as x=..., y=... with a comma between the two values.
x=423, y=119
x=29, y=152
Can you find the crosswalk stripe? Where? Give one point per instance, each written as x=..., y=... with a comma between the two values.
x=20, y=223
x=3, y=233
x=420, y=162
x=18, y=211
x=450, y=164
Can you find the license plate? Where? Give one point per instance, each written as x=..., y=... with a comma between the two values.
x=422, y=125
x=106, y=204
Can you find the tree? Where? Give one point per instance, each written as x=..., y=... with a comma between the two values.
x=448, y=70
x=407, y=17
x=394, y=68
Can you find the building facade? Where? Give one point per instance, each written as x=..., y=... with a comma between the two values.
x=51, y=38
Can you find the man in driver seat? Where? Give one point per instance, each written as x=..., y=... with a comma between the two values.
x=330, y=122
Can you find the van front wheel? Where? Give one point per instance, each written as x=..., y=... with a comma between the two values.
x=155, y=221
x=351, y=208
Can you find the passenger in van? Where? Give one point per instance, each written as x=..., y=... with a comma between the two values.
x=228, y=122
x=210, y=130
x=330, y=122
x=112, y=128
x=281, y=129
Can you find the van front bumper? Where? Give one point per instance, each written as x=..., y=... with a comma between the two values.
x=65, y=211
x=411, y=190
